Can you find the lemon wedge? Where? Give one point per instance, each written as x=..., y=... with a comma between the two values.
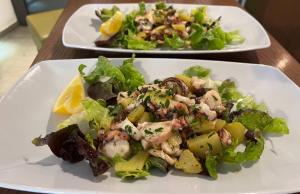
x=113, y=25
x=69, y=101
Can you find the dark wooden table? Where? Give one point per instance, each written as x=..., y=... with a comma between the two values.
x=275, y=55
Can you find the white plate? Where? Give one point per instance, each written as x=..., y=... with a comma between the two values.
x=25, y=112
x=81, y=30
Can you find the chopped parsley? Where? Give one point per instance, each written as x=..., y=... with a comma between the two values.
x=170, y=92
x=157, y=81
x=211, y=134
x=209, y=147
x=215, y=98
x=147, y=99
x=167, y=103
x=128, y=129
x=141, y=96
x=158, y=129
x=148, y=132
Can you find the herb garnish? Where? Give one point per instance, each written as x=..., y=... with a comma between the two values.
x=158, y=129
x=148, y=132
x=128, y=129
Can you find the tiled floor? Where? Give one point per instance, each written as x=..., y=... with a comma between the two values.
x=17, y=51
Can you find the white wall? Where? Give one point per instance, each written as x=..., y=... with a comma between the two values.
x=7, y=14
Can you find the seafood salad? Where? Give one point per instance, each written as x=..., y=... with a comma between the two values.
x=163, y=26
x=188, y=122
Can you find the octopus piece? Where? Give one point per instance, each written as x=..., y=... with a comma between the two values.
x=197, y=83
x=130, y=129
x=171, y=150
x=121, y=96
x=176, y=84
x=225, y=137
x=162, y=155
x=145, y=23
x=179, y=123
x=213, y=99
x=116, y=147
x=184, y=99
x=116, y=134
x=157, y=132
x=204, y=108
x=145, y=144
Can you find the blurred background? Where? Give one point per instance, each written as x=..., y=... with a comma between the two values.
x=25, y=24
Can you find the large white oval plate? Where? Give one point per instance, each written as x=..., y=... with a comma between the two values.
x=81, y=30
x=25, y=112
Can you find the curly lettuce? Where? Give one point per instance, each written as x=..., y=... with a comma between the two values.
x=229, y=91
x=136, y=43
x=197, y=71
x=158, y=163
x=211, y=166
x=256, y=119
x=200, y=14
x=97, y=114
x=174, y=42
x=234, y=37
x=212, y=39
x=133, y=78
x=104, y=68
x=133, y=168
x=253, y=119
x=277, y=125
x=252, y=152
x=248, y=102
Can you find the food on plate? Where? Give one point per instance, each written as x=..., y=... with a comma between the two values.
x=163, y=26
x=190, y=122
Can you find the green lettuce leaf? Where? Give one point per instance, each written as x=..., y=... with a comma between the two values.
x=80, y=119
x=211, y=166
x=229, y=91
x=200, y=14
x=213, y=38
x=105, y=14
x=251, y=153
x=277, y=125
x=133, y=78
x=103, y=90
x=155, y=162
x=234, y=37
x=219, y=39
x=134, y=174
x=97, y=114
x=133, y=168
x=161, y=5
x=253, y=119
x=103, y=68
x=142, y=8
x=197, y=71
x=136, y=43
x=247, y=102
x=135, y=146
x=90, y=136
x=175, y=42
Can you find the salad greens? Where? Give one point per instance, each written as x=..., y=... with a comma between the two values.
x=133, y=78
x=189, y=122
x=163, y=26
x=97, y=114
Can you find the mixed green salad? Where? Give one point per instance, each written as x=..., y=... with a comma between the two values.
x=189, y=122
x=163, y=27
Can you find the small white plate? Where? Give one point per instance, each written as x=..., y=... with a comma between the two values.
x=25, y=112
x=81, y=30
